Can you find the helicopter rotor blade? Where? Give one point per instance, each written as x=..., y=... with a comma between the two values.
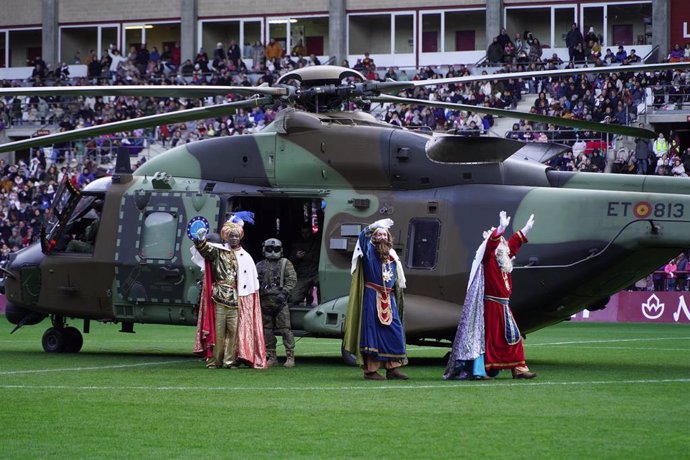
x=569, y=122
x=393, y=86
x=144, y=90
x=143, y=122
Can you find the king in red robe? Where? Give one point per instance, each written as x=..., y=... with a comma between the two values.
x=503, y=346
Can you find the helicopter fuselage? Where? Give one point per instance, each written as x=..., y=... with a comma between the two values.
x=594, y=233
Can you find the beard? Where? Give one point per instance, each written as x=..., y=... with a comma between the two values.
x=383, y=250
x=505, y=262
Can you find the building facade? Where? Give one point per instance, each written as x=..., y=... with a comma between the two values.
x=404, y=33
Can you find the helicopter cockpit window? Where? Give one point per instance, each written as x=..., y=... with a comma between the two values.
x=423, y=240
x=75, y=223
x=158, y=236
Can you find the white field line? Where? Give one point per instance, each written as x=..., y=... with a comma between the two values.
x=581, y=342
x=96, y=368
x=386, y=387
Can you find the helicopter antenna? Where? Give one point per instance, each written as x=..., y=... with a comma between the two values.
x=123, y=164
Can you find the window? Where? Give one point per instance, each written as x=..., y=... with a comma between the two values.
x=370, y=34
x=404, y=33
x=423, y=238
x=159, y=235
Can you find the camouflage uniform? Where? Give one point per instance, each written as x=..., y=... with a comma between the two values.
x=86, y=245
x=274, y=302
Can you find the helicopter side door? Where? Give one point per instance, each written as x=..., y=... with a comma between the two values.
x=155, y=280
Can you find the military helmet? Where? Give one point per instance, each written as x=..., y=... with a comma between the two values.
x=272, y=248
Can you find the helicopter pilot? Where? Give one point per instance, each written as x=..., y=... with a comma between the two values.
x=85, y=242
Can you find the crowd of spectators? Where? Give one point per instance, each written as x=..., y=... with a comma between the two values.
x=672, y=276
x=26, y=188
x=526, y=48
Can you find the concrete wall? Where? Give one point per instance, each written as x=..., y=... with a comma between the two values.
x=120, y=10
x=210, y=8
x=20, y=12
x=396, y=4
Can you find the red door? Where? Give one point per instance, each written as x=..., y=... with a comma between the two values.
x=464, y=40
x=314, y=45
x=430, y=42
x=32, y=52
x=622, y=34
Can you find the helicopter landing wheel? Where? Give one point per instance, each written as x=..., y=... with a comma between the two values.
x=54, y=340
x=73, y=340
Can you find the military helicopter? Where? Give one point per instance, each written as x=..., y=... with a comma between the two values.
x=339, y=171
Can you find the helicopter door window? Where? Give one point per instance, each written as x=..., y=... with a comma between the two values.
x=158, y=236
x=423, y=238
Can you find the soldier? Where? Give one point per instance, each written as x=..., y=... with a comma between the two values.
x=305, y=258
x=278, y=278
x=85, y=242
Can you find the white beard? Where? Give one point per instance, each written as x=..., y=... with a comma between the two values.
x=505, y=262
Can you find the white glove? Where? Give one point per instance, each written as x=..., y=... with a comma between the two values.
x=201, y=234
x=504, y=221
x=383, y=223
x=528, y=226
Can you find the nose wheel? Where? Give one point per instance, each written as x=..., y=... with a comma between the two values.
x=62, y=339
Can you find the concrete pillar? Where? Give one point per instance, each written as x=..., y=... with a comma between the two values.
x=661, y=18
x=188, y=29
x=49, y=38
x=337, y=30
x=494, y=19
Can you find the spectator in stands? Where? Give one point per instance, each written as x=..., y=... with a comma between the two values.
x=663, y=165
x=258, y=55
x=681, y=272
x=234, y=55
x=572, y=39
x=116, y=60
x=495, y=52
x=621, y=55
x=609, y=57
x=678, y=169
x=504, y=39
x=535, y=50
x=273, y=50
x=642, y=153
x=520, y=45
x=578, y=54
x=670, y=269
x=676, y=54
x=660, y=146
x=201, y=60
x=633, y=58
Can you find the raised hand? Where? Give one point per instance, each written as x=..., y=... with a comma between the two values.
x=503, y=221
x=528, y=226
x=200, y=235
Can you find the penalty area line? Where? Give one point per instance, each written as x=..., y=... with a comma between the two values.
x=387, y=387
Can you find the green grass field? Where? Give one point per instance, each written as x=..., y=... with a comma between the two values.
x=603, y=391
